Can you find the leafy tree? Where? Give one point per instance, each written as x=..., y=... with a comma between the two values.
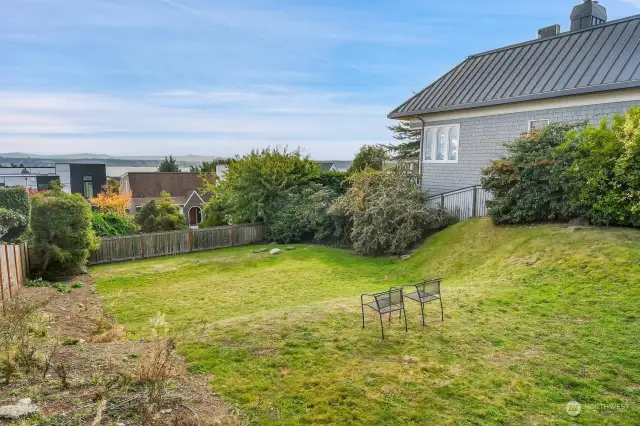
x=388, y=211
x=369, y=156
x=15, y=199
x=409, y=140
x=62, y=233
x=255, y=183
x=169, y=164
x=10, y=220
x=110, y=201
x=161, y=215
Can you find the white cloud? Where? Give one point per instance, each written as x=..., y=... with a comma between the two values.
x=216, y=122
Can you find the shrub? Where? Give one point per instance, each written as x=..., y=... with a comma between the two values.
x=524, y=184
x=388, y=211
x=112, y=224
x=588, y=177
x=16, y=200
x=161, y=215
x=337, y=181
x=62, y=234
x=305, y=214
x=603, y=173
x=10, y=221
x=255, y=184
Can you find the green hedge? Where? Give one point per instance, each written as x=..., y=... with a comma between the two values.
x=112, y=225
x=62, y=234
x=17, y=200
x=569, y=171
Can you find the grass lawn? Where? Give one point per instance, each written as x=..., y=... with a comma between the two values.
x=535, y=317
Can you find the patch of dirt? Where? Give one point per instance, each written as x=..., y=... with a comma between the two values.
x=98, y=371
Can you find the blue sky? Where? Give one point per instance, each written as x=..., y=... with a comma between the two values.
x=220, y=77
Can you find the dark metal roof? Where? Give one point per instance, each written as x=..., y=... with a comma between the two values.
x=601, y=58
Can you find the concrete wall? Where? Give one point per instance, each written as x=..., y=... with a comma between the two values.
x=482, y=139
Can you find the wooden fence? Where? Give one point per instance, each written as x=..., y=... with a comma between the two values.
x=14, y=267
x=464, y=203
x=144, y=246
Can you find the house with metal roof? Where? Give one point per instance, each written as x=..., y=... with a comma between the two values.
x=587, y=73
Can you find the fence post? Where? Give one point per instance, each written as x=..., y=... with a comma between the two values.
x=190, y=239
x=17, y=259
x=6, y=255
x=27, y=263
x=141, y=246
x=475, y=202
x=233, y=235
x=442, y=201
x=4, y=302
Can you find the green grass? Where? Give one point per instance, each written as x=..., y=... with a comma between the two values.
x=534, y=317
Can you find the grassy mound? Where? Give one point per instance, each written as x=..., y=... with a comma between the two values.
x=535, y=317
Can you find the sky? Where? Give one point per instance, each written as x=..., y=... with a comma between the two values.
x=222, y=77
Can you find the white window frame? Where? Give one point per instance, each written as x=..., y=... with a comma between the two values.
x=548, y=121
x=447, y=128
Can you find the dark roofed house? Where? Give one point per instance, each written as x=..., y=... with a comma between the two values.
x=466, y=116
x=185, y=190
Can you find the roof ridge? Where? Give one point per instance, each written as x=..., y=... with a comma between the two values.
x=564, y=34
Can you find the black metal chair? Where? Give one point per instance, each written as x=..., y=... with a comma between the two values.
x=425, y=292
x=384, y=303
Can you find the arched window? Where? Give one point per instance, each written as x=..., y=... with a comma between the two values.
x=453, y=144
x=441, y=142
x=427, y=148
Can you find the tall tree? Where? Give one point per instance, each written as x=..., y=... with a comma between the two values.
x=369, y=156
x=255, y=183
x=169, y=165
x=409, y=139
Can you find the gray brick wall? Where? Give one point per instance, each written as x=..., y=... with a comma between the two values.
x=482, y=139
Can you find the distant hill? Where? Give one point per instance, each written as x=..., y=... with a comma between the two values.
x=34, y=160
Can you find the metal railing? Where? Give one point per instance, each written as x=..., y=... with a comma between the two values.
x=463, y=203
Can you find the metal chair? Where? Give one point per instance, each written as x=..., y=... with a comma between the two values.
x=425, y=292
x=384, y=303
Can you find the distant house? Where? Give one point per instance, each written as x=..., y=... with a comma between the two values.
x=468, y=114
x=185, y=190
x=334, y=166
x=85, y=179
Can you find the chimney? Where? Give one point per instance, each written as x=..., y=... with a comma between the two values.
x=550, y=31
x=587, y=15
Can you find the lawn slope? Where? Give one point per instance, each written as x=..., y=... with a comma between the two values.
x=534, y=317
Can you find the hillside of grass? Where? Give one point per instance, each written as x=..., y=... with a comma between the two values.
x=535, y=317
